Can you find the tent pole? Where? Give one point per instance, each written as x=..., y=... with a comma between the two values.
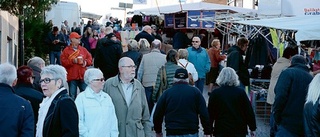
x=158, y=6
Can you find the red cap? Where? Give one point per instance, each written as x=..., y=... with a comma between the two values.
x=74, y=35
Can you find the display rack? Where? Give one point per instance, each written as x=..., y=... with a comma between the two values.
x=258, y=96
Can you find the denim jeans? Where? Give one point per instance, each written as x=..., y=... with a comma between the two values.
x=282, y=132
x=54, y=57
x=188, y=135
x=73, y=84
x=148, y=91
x=200, y=84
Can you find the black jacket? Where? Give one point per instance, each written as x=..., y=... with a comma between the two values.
x=235, y=61
x=146, y=35
x=55, y=47
x=107, y=57
x=311, y=119
x=136, y=56
x=181, y=105
x=62, y=119
x=29, y=93
x=230, y=111
x=291, y=90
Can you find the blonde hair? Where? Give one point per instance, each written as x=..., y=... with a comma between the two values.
x=314, y=90
x=215, y=42
x=183, y=53
x=144, y=44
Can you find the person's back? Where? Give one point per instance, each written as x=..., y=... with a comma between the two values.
x=291, y=90
x=16, y=117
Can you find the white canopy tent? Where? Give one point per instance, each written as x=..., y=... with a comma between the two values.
x=307, y=27
x=193, y=6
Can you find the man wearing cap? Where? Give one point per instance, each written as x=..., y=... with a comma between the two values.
x=181, y=106
x=107, y=55
x=291, y=90
x=56, y=42
x=75, y=59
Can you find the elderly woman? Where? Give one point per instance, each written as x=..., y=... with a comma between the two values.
x=144, y=46
x=25, y=89
x=183, y=62
x=229, y=107
x=58, y=114
x=97, y=115
x=312, y=109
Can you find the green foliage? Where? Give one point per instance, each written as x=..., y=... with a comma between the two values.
x=35, y=33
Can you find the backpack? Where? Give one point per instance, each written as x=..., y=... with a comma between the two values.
x=191, y=81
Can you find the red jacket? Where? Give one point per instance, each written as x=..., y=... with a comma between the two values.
x=75, y=71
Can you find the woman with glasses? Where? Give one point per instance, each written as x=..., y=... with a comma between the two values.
x=96, y=111
x=24, y=89
x=58, y=114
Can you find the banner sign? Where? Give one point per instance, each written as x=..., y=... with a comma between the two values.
x=139, y=2
x=208, y=19
x=168, y=21
x=194, y=19
x=180, y=20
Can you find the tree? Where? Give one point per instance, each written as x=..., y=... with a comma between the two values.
x=26, y=10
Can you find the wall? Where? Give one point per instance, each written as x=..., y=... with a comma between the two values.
x=9, y=27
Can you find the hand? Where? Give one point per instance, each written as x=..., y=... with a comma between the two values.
x=75, y=61
x=252, y=134
x=159, y=135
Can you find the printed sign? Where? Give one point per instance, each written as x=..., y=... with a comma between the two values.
x=194, y=19
x=168, y=21
x=208, y=19
x=180, y=20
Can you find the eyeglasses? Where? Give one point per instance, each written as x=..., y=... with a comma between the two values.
x=46, y=80
x=195, y=41
x=132, y=66
x=99, y=79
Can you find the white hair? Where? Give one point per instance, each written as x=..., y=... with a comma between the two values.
x=228, y=77
x=314, y=90
x=108, y=30
x=180, y=80
x=8, y=73
x=57, y=71
x=90, y=74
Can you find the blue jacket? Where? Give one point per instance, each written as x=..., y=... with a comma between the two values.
x=291, y=90
x=16, y=114
x=200, y=59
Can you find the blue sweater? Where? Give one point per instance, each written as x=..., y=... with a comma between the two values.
x=200, y=59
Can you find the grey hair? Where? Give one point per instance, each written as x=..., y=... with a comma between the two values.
x=228, y=77
x=313, y=90
x=57, y=71
x=133, y=45
x=180, y=80
x=8, y=73
x=90, y=74
x=156, y=44
x=35, y=61
x=123, y=61
x=108, y=30
x=144, y=44
x=183, y=53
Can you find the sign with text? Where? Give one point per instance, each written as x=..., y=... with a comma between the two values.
x=168, y=21
x=208, y=19
x=194, y=19
x=180, y=20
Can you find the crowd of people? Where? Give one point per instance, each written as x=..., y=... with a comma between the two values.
x=92, y=88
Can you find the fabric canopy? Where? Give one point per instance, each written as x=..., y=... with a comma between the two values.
x=192, y=6
x=307, y=27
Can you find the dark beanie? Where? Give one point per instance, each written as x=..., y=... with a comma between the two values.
x=298, y=59
x=110, y=35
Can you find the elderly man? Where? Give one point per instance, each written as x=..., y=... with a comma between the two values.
x=199, y=57
x=291, y=90
x=148, y=69
x=145, y=33
x=16, y=113
x=130, y=101
x=181, y=105
x=36, y=63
